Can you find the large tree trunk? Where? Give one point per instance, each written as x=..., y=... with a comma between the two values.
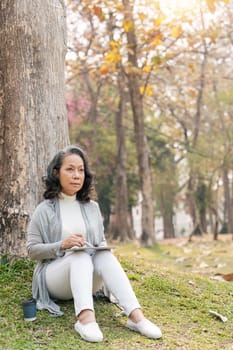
x=148, y=233
x=121, y=228
x=32, y=108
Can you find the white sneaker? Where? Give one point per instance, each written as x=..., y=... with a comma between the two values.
x=145, y=327
x=89, y=332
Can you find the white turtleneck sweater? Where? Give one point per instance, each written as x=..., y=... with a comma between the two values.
x=71, y=216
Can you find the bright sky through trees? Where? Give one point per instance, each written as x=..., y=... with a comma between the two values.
x=178, y=5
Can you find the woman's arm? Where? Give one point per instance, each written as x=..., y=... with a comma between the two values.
x=40, y=244
x=45, y=251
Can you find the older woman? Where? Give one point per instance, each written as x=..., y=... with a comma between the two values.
x=68, y=218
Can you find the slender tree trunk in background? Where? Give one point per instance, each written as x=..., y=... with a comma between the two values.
x=231, y=204
x=203, y=220
x=33, y=124
x=193, y=211
x=166, y=208
x=228, y=202
x=121, y=228
x=168, y=226
x=215, y=224
x=202, y=203
x=148, y=232
x=197, y=121
x=94, y=96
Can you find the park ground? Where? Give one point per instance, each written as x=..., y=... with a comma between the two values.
x=176, y=281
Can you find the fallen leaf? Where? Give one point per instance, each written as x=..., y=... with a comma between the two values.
x=203, y=265
x=218, y=278
x=192, y=283
x=221, y=317
x=180, y=260
x=219, y=266
x=227, y=277
x=187, y=250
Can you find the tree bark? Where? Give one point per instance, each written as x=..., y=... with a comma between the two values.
x=148, y=232
x=33, y=124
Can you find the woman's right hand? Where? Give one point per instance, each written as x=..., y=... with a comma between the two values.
x=75, y=239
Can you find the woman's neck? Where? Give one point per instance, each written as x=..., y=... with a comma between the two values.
x=67, y=196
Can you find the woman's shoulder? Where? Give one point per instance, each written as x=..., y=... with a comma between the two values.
x=46, y=206
x=90, y=202
x=94, y=202
x=91, y=205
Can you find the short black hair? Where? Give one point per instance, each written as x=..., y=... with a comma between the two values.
x=52, y=182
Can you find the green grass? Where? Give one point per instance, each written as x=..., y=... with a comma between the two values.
x=174, y=295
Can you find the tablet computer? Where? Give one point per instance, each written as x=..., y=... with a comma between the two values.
x=76, y=248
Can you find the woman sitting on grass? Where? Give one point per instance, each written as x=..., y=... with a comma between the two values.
x=68, y=217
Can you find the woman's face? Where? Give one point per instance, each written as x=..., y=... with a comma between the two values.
x=72, y=174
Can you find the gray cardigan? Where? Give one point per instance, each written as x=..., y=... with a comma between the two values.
x=44, y=243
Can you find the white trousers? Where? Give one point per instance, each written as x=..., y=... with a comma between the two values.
x=78, y=275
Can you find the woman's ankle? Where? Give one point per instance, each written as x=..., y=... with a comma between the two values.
x=86, y=316
x=136, y=315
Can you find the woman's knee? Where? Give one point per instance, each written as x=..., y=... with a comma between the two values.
x=82, y=260
x=102, y=259
x=102, y=255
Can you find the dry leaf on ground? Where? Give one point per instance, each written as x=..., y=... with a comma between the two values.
x=221, y=317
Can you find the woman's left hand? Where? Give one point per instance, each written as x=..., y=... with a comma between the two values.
x=75, y=239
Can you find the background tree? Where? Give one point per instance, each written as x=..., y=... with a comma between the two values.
x=121, y=227
x=110, y=111
x=187, y=97
x=173, y=58
x=32, y=108
x=165, y=184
